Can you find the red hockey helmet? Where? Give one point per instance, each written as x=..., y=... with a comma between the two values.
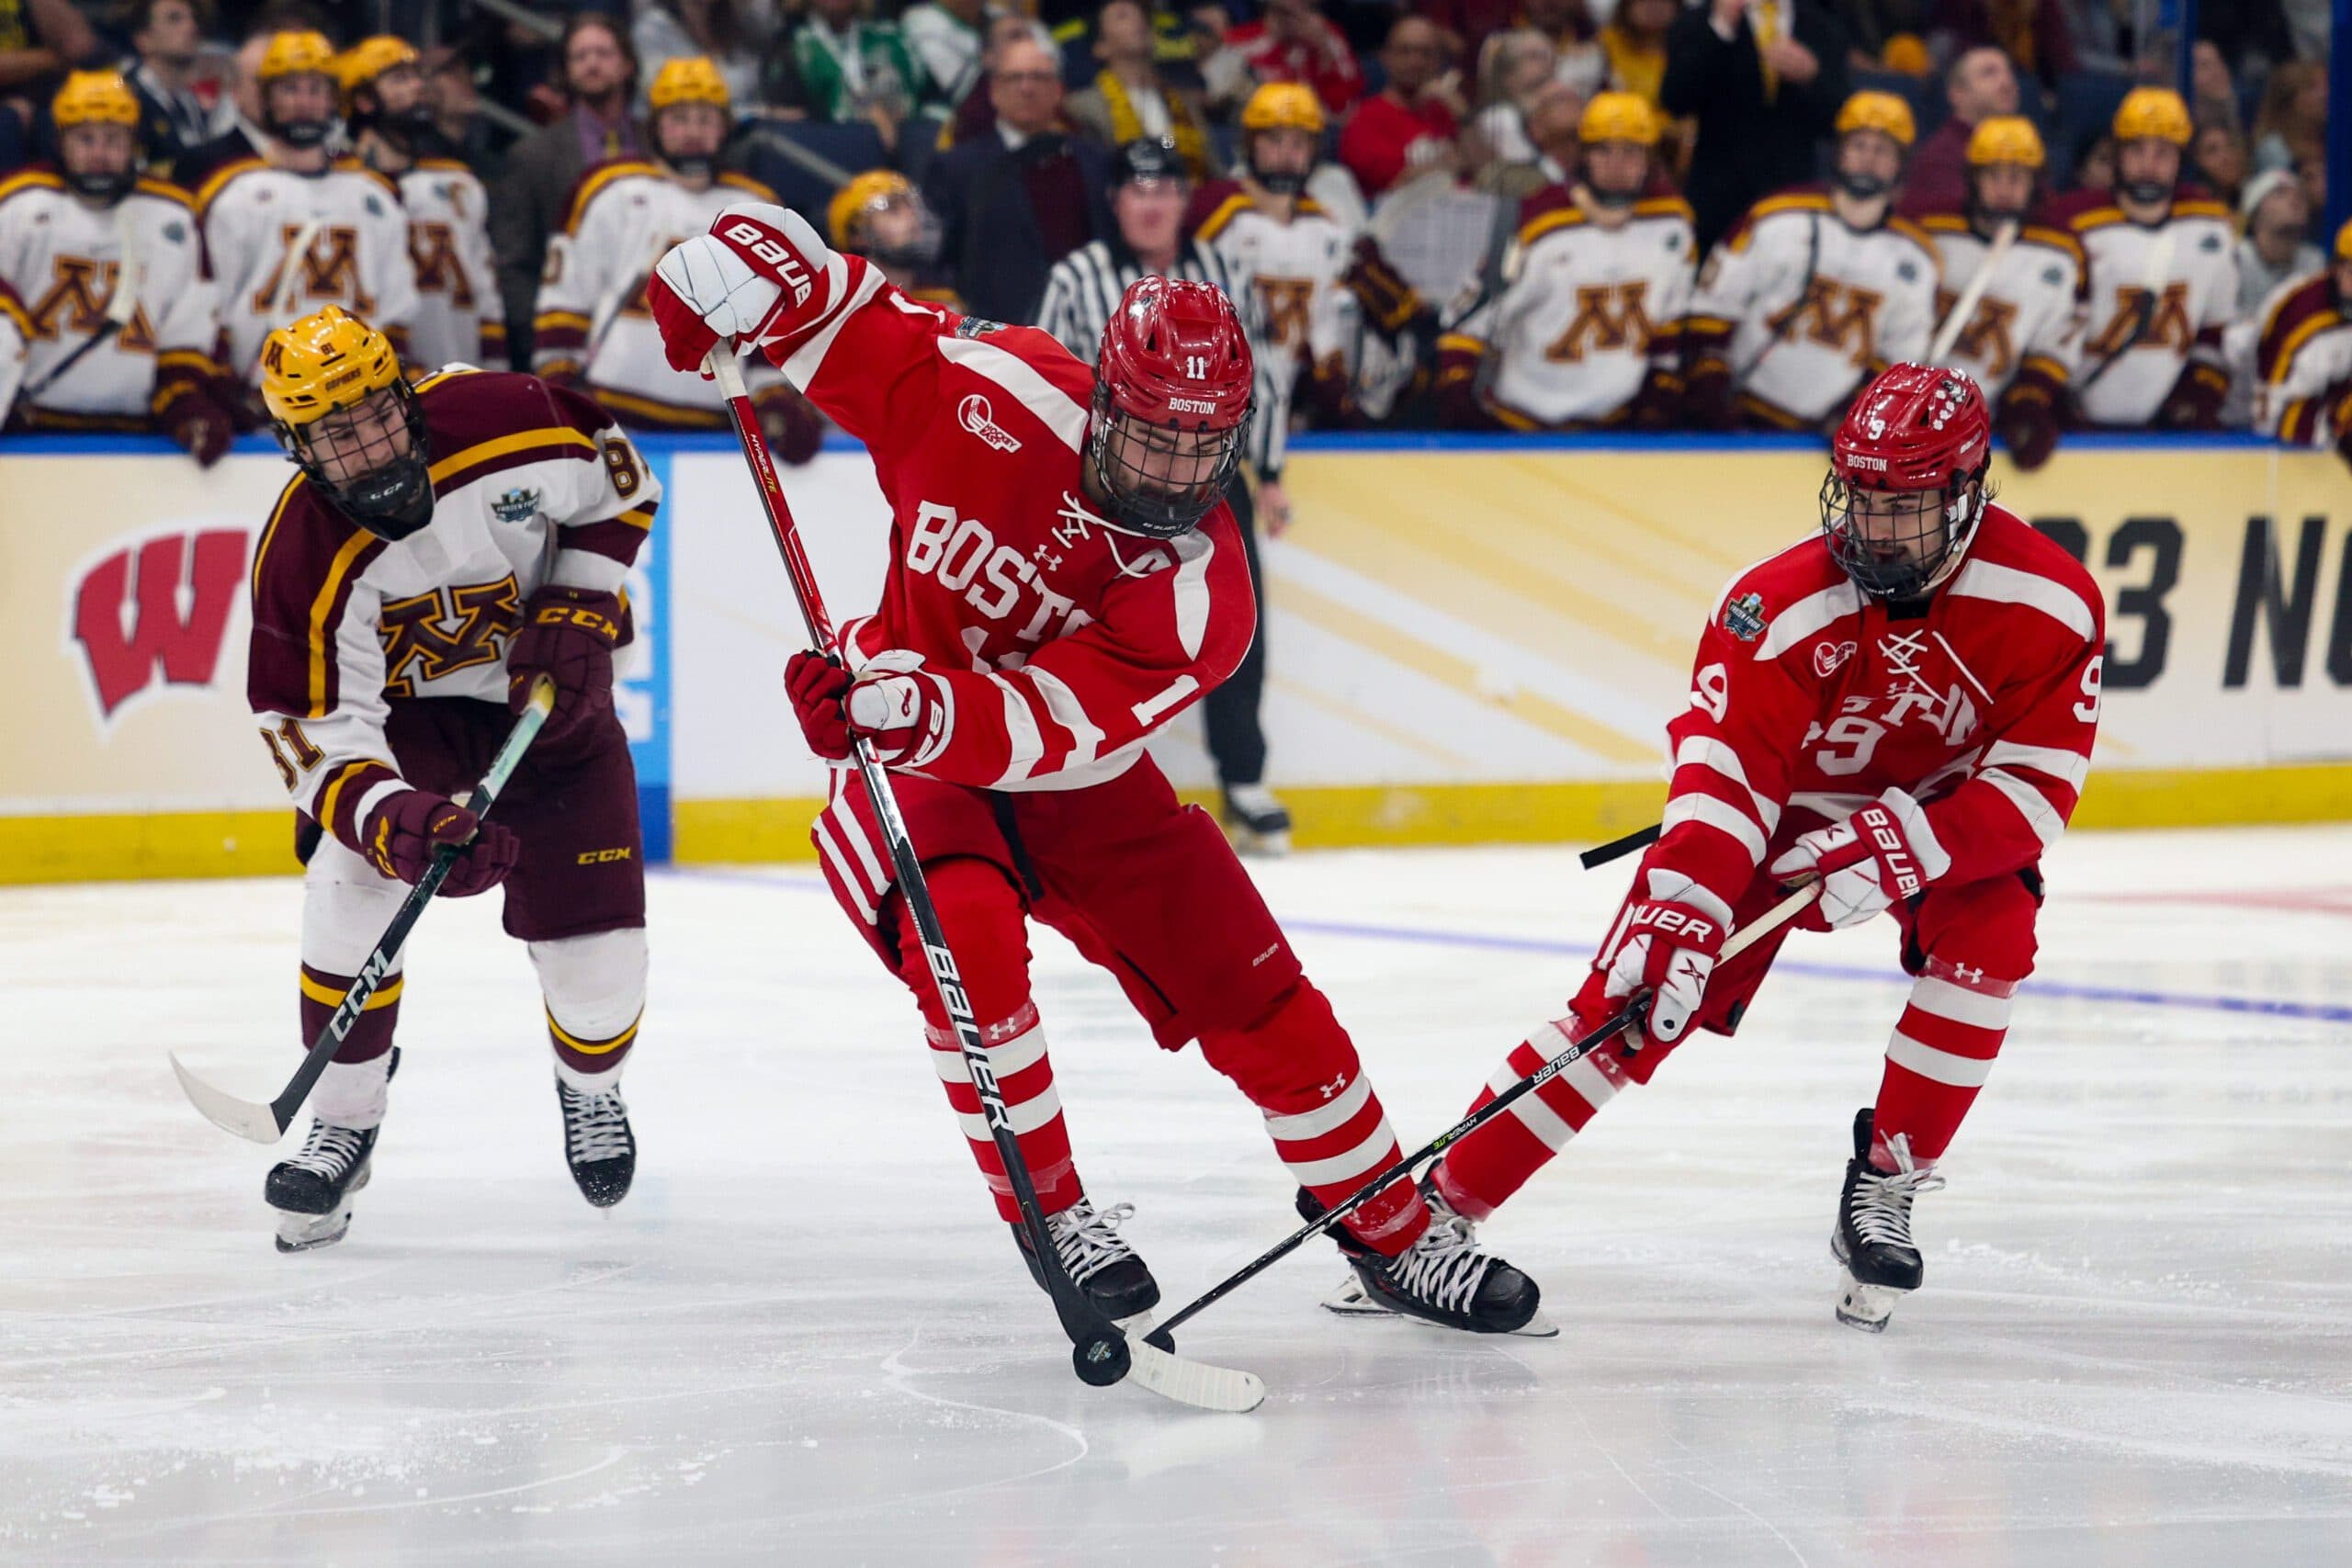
x=1907, y=480
x=1172, y=404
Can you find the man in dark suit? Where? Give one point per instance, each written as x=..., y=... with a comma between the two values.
x=1017, y=198
x=599, y=77
x=1764, y=78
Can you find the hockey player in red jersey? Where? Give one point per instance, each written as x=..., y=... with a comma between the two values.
x=1902, y=707
x=1065, y=576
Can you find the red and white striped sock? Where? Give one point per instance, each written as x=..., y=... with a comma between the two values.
x=1494, y=1162
x=1024, y=1077
x=1938, y=1056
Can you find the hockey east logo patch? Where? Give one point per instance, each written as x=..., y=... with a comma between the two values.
x=975, y=414
x=1744, y=616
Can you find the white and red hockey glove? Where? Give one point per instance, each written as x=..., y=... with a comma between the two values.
x=1882, y=852
x=757, y=264
x=1667, y=946
x=904, y=713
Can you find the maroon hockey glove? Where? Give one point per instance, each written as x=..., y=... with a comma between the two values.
x=568, y=634
x=402, y=832
x=791, y=423
x=202, y=428
x=817, y=685
x=2026, y=423
x=1884, y=853
x=1660, y=399
x=1668, y=947
x=2195, y=401
x=1707, y=401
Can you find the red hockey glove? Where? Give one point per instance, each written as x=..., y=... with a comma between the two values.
x=568, y=634
x=1882, y=852
x=732, y=282
x=201, y=425
x=2195, y=401
x=2026, y=423
x=902, y=713
x=794, y=428
x=1668, y=947
x=817, y=685
x=402, y=832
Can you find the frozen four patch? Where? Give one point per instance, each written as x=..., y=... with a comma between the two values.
x=1744, y=616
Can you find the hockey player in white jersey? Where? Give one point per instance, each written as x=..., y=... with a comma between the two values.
x=592, y=331
x=2162, y=279
x=1588, y=331
x=2022, y=337
x=1266, y=229
x=459, y=317
x=119, y=323
x=2303, y=358
x=301, y=228
x=1813, y=291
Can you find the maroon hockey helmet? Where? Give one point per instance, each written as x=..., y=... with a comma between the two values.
x=1172, y=404
x=1906, y=486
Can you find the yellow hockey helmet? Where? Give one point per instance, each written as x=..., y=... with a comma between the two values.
x=375, y=467
x=370, y=58
x=328, y=360
x=2153, y=111
x=1282, y=106
x=1877, y=111
x=688, y=79
x=1619, y=117
x=296, y=54
x=2344, y=242
x=94, y=98
x=2006, y=139
x=871, y=189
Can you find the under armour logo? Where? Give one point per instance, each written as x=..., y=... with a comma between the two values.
x=1335, y=1085
x=1967, y=973
x=1902, y=652
x=1044, y=556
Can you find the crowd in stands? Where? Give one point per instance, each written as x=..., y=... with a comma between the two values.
x=1464, y=214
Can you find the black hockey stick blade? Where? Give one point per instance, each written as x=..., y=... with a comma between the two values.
x=267, y=1123
x=1602, y=854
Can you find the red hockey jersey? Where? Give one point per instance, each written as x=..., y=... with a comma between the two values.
x=1810, y=699
x=1062, y=642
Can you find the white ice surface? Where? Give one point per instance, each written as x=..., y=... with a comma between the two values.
x=805, y=1338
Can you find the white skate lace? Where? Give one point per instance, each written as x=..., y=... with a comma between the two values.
x=1881, y=1209
x=1089, y=1242
x=330, y=1151
x=1444, y=1268
x=595, y=1126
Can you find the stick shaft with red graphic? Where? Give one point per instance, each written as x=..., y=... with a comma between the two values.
x=267, y=1123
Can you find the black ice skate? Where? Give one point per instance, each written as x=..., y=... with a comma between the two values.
x=311, y=1192
x=1349, y=1298
x=1256, y=820
x=598, y=1142
x=1442, y=1278
x=1874, y=1235
x=1098, y=1261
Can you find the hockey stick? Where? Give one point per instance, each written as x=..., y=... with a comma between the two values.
x=267, y=1123
x=2144, y=313
x=297, y=260
x=122, y=306
x=1602, y=854
x=1100, y=1354
x=1626, y=1017
x=1782, y=322
x=1965, y=306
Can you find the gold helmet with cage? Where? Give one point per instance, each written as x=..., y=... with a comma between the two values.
x=688, y=79
x=104, y=167
x=2153, y=111
x=1619, y=117
x=94, y=98
x=1877, y=111
x=1275, y=108
x=370, y=58
x=345, y=413
x=289, y=56
x=2006, y=139
x=870, y=191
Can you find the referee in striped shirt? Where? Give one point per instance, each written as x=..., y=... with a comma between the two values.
x=1149, y=194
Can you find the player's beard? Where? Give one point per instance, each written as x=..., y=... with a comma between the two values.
x=692, y=165
x=1862, y=187
x=411, y=134
x=2147, y=193
x=107, y=189
x=301, y=132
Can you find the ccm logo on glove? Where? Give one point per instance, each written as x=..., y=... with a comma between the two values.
x=788, y=266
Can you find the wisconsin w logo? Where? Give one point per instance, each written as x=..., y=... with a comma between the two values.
x=446, y=630
x=1609, y=316
x=161, y=607
x=330, y=271
x=80, y=290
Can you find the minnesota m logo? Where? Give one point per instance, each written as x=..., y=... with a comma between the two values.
x=79, y=293
x=330, y=271
x=1286, y=300
x=432, y=247
x=1609, y=316
x=1837, y=315
x=418, y=647
x=2165, y=313
x=1987, y=338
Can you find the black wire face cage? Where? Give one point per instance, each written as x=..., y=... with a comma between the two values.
x=1127, y=451
x=1907, y=538
x=385, y=490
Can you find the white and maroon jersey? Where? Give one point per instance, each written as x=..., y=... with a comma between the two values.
x=2030, y=311
x=2302, y=363
x=531, y=485
x=1296, y=269
x=1062, y=642
x=253, y=213
x=593, y=321
x=1809, y=699
x=1843, y=304
x=2175, y=283
x=65, y=260
x=459, y=318
x=1590, y=314
x=16, y=331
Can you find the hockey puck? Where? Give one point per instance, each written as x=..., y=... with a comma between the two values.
x=1101, y=1360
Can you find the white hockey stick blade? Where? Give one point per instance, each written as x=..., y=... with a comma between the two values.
x=1349, y=1300
x=1196, y=1383
x=242, y=1117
